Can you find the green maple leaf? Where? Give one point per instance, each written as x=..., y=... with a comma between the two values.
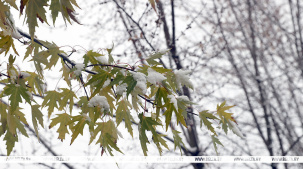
x=53, y=51
x=204, y=116
x=170, y=108
x=90, y=56
x=14, y=122
x=10, y=142
x=224, y=116
x=108, y=137
x=158, y=140
x=78, y=128
x=177, y=140
x=34, y=9
x=12, y=3
x=6, y=42
x=64, y=120
x=160, y=95
x=35, y=83
x=131, y=84
x=98, y=80
x=67, y=95
x=123, y=112
x=146, y=124
x=50, y=100
x=216, y=141
x=37, y=116
x=3, y=119
x=15, y=91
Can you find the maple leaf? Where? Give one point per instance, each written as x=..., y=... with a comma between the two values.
x=161, y=94
x=35, y=9
x=3, y=119
x=64, y=120
x=12, y=3
x=204, y=116
x=50, y=100
x=78, y=128
x=224, y=116
x=123, y=112
x=35, y=83
x=158, y=140
x=37, y=116
x=3, y=10
x=14, y=122
x=15, y=91
x=216, y=141
x=146, y=124
x=177, y=140
x=90, y=57
x=10, y=142
x=108, y=137
x=6, y=42
x=98, y=81
x=67, y=95
x=131, y=84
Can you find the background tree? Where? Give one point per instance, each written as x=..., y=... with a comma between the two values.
x=246, y=51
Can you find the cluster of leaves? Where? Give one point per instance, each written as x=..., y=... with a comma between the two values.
x=114, y=92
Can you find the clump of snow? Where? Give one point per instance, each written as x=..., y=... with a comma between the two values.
x=141, y=81
x=79, y=67
x=235, y=129
x=163, y=51
x=121, y=89
x=182, y=78
x=106, y=83
x=154, y=77
x=102, y=59
x=183, y=98
x=24, y=74
x=173, y=100
x=99, y=101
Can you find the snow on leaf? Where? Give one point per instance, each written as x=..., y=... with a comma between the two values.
x=64, y=120
x=155, y=77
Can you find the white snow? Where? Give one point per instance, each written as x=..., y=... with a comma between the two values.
x=154, y=77
x=24, y=74
x=173, y=100
x=106, y=83
x=183, y=98
x=235, y=129
x=99, y=101
x=182, y=78
x=79, y=68
x=102, y=59
x=121, y=89
x=141, y=81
